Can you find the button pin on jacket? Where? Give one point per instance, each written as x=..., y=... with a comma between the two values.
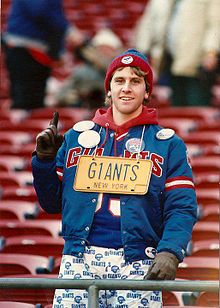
x=83, y=126
x=135, y=145
x=89, y=139
x=165, y=133
x=150, y=252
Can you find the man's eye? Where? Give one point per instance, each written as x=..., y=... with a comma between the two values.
x=135, y=81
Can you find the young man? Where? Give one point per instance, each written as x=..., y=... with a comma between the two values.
x=124, y=187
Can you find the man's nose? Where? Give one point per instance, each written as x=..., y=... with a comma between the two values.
x=126, y=86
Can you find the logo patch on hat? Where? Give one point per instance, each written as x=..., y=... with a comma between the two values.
x=127, y=59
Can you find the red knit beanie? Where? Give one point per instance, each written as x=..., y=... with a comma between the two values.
x=131, y=57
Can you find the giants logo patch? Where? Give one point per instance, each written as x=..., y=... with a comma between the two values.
x=156, y=159
x=75, y=153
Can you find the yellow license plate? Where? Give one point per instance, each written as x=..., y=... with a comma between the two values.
x=116, y=175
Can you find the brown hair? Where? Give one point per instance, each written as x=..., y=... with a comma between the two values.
x=138, y=72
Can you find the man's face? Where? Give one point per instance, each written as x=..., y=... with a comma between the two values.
x=128, y=92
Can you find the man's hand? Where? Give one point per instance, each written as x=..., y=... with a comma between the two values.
x=164, y=267
x=48, y=141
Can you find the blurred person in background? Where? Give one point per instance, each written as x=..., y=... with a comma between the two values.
x=34, y=40
x=85, y=87
x=182, y=38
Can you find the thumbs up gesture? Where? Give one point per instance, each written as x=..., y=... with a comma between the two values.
x=49, y=141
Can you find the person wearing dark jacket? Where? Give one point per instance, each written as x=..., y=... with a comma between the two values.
x=125, y=189
x=34, y=40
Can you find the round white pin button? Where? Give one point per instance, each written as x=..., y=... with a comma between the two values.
x=134, y=145
x=165, y=133
x=127, y=59
x=89, y=139
x=151, y=252
x=83, y=126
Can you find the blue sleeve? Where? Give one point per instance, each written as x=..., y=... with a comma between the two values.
x=47, y=185
x=46, y=182
x=54, y=17
x=180, y=204
x=48, y=12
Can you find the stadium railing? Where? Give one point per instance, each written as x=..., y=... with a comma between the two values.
x=93, y=286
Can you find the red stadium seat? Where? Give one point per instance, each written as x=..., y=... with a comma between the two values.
x=3, y=167
x=210, y=213
x=19, y=138
x=160, y=100
x=205, y=248
x=33, y=296
x=16, y=264
x=8, y=179
x=13, y=116
x=16, y=179
x=26, y=193
x=181, y=126
x=42, y=215
x=56, y=267
x=34, y=227
x=73, y=114
x=211, y=150
x=206, y=164
x=209, y=126
x=34, y=244
x=208, y=299
x=172, y=298
x=203, y=138
x=17, y=150
x=207, y=196
x=206, y=180
x=197, y=113
x=13, y=163
x=16, y=209
x=25, y=178
x=8, y=304
x=199, y=268
x=205, y=230
x=31, y=126
x=68, y=117
x=194, y=150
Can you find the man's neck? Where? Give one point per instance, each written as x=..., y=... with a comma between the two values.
x=120, y=119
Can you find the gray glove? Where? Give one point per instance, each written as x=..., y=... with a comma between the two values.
x=48, y=141
x=164, y=267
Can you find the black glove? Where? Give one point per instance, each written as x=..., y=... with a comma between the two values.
x=164, y=267
x=48, y=141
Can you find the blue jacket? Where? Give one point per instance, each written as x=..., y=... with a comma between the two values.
x=163, y=218
x=38, y=24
